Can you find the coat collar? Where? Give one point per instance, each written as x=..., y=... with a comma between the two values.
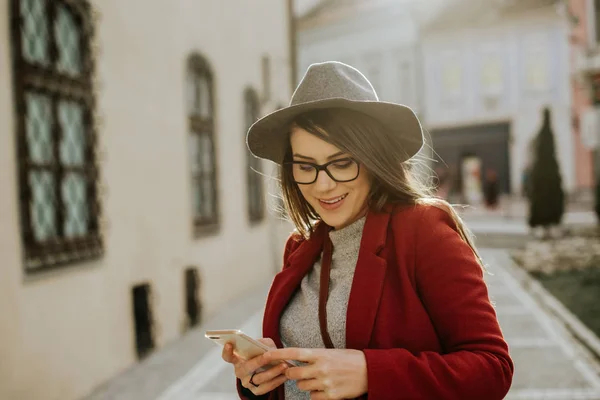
x=366, y=288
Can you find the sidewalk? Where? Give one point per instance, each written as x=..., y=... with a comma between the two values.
x=549, y=363
x=511, y=215
x=507, y=227
x=193, y=354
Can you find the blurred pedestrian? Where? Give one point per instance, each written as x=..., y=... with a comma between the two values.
x=382, y=291
x=491, y=191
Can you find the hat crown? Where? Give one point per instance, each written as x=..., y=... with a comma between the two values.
x=333, y=79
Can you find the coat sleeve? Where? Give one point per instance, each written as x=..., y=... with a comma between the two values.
x=475, y=362
x=292, y=244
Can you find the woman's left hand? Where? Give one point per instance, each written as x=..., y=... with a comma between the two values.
x=330, y=373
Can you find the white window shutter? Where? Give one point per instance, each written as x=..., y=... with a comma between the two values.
x=590, y=127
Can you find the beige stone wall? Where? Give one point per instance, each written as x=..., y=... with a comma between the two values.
x=65, y=332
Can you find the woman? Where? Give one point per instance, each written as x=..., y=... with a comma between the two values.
x=381, y=292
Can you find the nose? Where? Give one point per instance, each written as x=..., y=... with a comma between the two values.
x=324, y=182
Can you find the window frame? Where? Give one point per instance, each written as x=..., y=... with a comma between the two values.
x=254, y=185
x=197, y=125
x=30, y=77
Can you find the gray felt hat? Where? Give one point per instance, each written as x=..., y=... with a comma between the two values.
x=333, y=84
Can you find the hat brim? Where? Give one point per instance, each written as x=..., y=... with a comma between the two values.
x=266, y=138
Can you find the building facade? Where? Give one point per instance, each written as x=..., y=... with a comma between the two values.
x=128, y=212
x=377, y=37
x=479, y=75
x=489, y=70
x=583, y=16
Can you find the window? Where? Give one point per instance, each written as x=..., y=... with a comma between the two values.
x=405, y=90
x=202, y=145
x=451, y=77
x=254, y=185
x=492, y=74
x=596, y=16
x=56, y=138
x=536, y=54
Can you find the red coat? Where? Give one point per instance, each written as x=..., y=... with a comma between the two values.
x=418, y=308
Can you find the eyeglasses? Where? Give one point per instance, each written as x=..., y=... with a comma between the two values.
x=340, y=170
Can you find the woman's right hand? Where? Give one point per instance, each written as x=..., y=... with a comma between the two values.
x=265, y=381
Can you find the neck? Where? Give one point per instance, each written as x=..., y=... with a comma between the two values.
x=356, y=218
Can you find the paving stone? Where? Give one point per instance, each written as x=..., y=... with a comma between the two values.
x=546, y=368
x=524, y=326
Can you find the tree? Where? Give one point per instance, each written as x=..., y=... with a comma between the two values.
x=546, y=195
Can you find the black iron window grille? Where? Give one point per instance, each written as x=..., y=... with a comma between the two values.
x=254, y=178
x=200, y=101
x=56, y=137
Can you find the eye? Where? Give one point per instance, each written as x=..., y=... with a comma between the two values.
x=342, y=164
x=304, y=167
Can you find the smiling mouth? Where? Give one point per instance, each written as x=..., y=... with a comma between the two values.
x=335, y=200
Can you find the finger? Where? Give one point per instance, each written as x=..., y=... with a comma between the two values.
x=264, y=387
x=244, y=368
x=270, y=374
x=310, y=385
x=302, y=373
x=319, y=396
x=292, y=353
x=228, y=355
x=269, y=386
x=268, y=341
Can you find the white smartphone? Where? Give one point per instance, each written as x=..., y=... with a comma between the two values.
x=243, y=345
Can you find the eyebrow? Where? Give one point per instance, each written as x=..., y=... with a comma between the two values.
x=339, y=153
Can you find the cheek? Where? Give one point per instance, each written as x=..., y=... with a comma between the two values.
x=305, y=190
x=362, y=186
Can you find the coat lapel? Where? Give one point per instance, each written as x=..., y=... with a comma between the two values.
x=288, y=280
x=367, y=285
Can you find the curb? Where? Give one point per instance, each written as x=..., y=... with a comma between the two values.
x=572, y=323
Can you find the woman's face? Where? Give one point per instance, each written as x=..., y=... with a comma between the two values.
x=338, y=203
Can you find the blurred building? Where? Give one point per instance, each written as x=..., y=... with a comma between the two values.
x=478, y=73
x=376, y=36
x=584, y=17
x=129, y=210
x=489, y=69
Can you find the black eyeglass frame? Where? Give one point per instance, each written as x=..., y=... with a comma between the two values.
x=323, y=167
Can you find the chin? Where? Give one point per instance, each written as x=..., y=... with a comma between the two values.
x=334, y=221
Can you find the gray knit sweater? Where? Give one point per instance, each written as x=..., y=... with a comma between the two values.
x=299, y=325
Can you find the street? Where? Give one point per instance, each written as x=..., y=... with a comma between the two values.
x=549, y=363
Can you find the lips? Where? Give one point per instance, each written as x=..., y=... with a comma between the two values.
x=332, y=203
x=334, y=200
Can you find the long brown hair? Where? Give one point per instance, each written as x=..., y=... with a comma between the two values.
x=393, y=180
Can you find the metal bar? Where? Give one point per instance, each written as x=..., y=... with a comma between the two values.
x=55, y=127
x=19, y=117
x=42, y=80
